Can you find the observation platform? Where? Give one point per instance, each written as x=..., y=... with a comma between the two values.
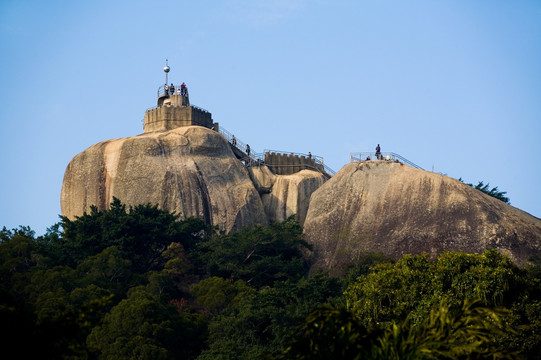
x=388, y=156
x=174, y=110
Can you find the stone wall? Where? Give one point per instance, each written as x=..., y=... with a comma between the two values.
x=168, y=117
x=287, y=164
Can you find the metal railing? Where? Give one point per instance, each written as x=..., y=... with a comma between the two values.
x=389, y=156
x=175, y=90
x=194, y=106
x=258, y=158
x=318, y=159
x=240, y=145
x=329, y=170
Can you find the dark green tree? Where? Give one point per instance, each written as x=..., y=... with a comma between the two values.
x=415, y=284
x=257, y=322
x=259, y=255
x=494, y=192
x=143, y=327
x=461, y=332
x=141, y=233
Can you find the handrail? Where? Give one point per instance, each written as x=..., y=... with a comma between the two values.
x=260, y=157
x=194, y=106
x=308, y=166
x=241, y=146
x=390, y=156
x=318, y=159
x=329, y=170
x=177, y=90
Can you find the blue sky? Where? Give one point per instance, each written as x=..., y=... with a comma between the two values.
x=454, y=86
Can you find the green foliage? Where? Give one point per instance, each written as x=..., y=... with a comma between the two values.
x=107, y=269
x=362, y=265
x=415, y=284
x=215, y=293
x=262, y=321
x=141, y=234
x=464, y=332
x=138, y=283
x=142, y=327
x=259, y=256
x=494, y=192
x=331, y=333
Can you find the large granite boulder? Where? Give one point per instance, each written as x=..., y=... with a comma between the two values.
x=190, y=170
x=286, y=195
x=379, y=206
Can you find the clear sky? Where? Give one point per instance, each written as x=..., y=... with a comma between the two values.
x=453, y=86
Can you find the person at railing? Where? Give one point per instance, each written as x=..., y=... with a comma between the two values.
x=378, y=153
x=248, y=149
x=172, y=89
x=234, y=140
x=183, y=89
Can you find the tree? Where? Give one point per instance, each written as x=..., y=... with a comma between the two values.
x=143, y=327
x=141, y=233
x=463, y=332
x=258, y=255
x=257, y=322
x=415, y=284
x=215, y=293
x=107, y=270
x=494, y=192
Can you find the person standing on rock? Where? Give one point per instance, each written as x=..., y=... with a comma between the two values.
x=248, y=149
x=378, y=152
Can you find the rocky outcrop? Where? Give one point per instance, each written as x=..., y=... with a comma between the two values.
x=286, y=195
x=190, y=170
x=372, y=206
x=379, y=206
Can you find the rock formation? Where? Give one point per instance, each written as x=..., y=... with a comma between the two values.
x=190, y=170
x=379, y=206
x=285, y=195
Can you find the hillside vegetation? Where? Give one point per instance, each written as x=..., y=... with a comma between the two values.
x=137, y=283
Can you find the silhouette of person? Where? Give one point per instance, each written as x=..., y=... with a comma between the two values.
x=378, y=152
x=248, y=149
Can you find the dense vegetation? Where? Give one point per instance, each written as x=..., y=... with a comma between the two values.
x=136, y=283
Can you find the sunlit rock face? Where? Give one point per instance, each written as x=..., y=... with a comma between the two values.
x=286, y=195
x=380, y=206
x=189, y=170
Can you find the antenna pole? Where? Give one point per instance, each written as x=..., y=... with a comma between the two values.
x=166, y=70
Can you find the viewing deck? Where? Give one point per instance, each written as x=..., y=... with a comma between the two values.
x=389, y=156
